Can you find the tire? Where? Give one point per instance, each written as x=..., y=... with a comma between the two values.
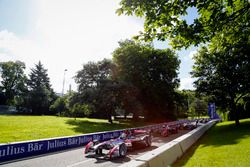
x=122, y=150
x=98, y=152
x=96, y=142
x=148, y=141
x=164, y=133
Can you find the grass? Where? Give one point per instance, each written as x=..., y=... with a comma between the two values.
x=223, y=145
x=20, y=128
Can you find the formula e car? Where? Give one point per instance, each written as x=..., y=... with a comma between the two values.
x=118, y=147
x=190, y=125
x=166, y=130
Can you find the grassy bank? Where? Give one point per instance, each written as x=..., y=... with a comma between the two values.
x=223, y=145
x=20, y=128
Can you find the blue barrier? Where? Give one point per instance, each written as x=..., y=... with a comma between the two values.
x=31, y=148
x=19, y=150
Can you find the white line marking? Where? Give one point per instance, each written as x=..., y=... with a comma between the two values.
x=78, y=163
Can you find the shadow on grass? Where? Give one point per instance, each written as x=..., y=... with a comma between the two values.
x=85, y=126
x=226, y=134
x=220, y=135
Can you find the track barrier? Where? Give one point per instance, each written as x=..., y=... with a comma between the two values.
x=170, y=152
x=21, y=150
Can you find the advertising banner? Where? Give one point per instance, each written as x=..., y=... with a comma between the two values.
x=13, y=151
x=32, y=148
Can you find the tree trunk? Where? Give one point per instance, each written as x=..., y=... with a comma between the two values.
x=125, y=114
x=233, y=110
x=237, y=122
x=110, y=119
x=135, y=117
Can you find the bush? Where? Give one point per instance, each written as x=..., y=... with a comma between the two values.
x=81, y=110
x=59, y=106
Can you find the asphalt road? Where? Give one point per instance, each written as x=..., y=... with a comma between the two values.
x=76, y=158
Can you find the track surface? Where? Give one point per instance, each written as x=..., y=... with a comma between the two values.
x=76, y=158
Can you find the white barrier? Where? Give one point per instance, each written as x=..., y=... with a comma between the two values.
x=185, y=141
x=162, y=155
x=170, y=152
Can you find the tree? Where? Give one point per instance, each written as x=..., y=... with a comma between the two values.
x=128, y=96
x=199, y=107
x=3, y=99
x=223, y=70
x=152, y=72
x=165, y=19
x=183, y=100
x=13, y=80
x=41, y=94
x=80, y=110
x=59, y=106
x=82, y=101
x=94, y=74
x=97, y=88
x=107, y=99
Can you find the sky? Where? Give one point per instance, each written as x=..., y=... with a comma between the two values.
x=65, y=34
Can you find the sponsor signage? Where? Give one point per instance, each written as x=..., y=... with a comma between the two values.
x=31, y=148
x=25, y=149
x=212, y=111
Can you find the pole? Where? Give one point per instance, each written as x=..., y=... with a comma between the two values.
x=63, y=81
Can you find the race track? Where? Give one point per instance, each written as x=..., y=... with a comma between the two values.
x=76, y=158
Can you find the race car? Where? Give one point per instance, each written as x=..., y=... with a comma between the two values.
x=204, y=120
x=162, y=130
x=166, y=130
x=190, y=125
x=173, y=129
x=113, y=148
x=118, y=147
x=137, y=137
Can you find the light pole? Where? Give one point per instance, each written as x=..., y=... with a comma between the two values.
x=63, y=81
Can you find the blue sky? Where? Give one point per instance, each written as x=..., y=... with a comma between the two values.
x=64, y=34
x=17, y=16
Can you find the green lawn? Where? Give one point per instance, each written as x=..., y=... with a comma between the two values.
x=19, y=128
x=224, y=145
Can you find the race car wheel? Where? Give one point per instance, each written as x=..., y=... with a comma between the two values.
x=164, y=133
x=148, y=141
x=96, y=142
x=98, y=152
x=122, y=150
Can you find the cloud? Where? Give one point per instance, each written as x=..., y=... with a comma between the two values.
x=187, y=83
x=4, y=56
x=14, y=48
x=68, y=34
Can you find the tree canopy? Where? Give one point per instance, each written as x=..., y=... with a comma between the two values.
x=152, y=72
x=223, y=71
x=97, y=88
x=13, y=80
x=93, y=74
x=40, y=94
x=165, y=19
